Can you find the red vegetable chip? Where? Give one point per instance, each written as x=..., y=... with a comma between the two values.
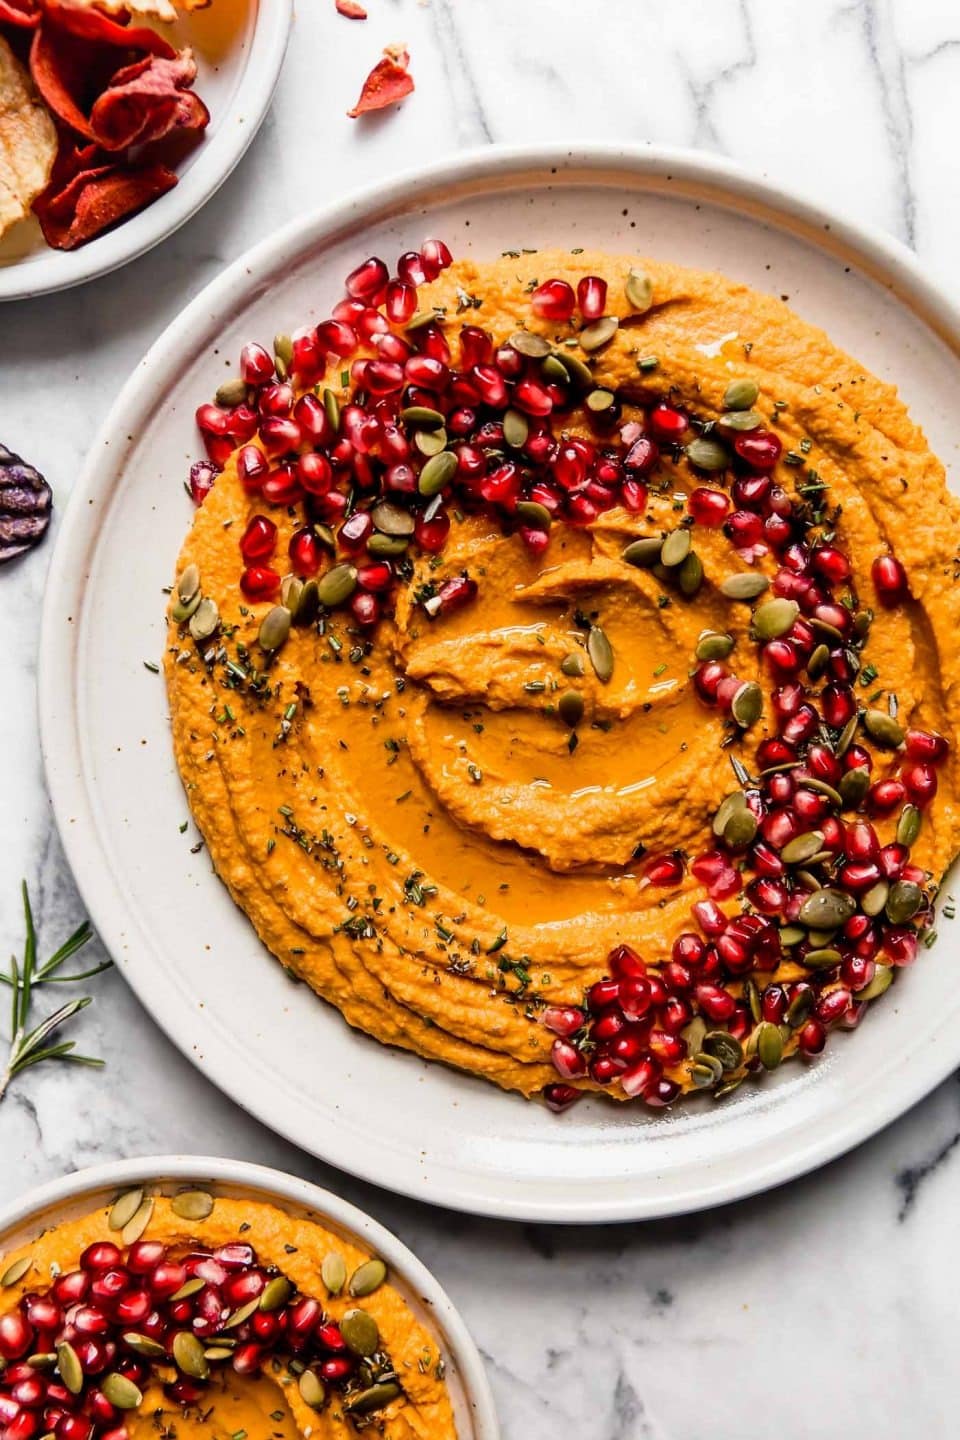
x=96, y=198
x=22, y=13
x=88, y=23
x=351, y=10
x=146, y=101
x=388, y=82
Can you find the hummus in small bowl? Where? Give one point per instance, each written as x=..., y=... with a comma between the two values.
x=149, y=1297
x=562, y=697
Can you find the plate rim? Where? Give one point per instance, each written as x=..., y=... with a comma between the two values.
x=883, y=258
x=214, y=164
x=292, y=1188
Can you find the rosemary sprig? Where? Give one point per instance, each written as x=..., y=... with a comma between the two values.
x=29, y=1046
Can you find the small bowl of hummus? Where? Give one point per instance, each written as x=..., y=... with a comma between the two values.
x=210, y=1297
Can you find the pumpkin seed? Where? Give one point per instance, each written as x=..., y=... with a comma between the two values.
x=690, y=575
x=189, y=1356
x=181, y=610
x=424, y=317
x=639, y=291
x=729, y=806
x=291, y=591
x=822, y=787
x=138, y=1221
x=799, y=1010
x=707, y=454
x=438, y=472
x=826, y=909
x=189, y=583
x=722, y=1091
x=366, y=1278
x=903, y=902
x=881, y=981
x=313, y=1392
x=746, y=585
x=332, y=406
x=124, y=1208
x=882, y=728
x=188, y=1288
x=205, y=620
x=747, y=704
x=713, y=645
x=375, y=1397
x=572, y=663
x=570, y=708
x=676, y=547
x=854, y=785
x=740, y=420
x=774, y=618
x=821, y=959
x=874, y=901
x=693, y=1034
x=818, y=662
x=392, y=519
x=740, y=394
x=121, y=1392
x=15, y=1272
x=275, y=628
x=516, y=428
x=578, y=374
x=723, y=1047
x=554, y=370
x=307, y=605
x=430, y=442
x=239, y=1316
x=71, y=1371
x=337, y=585
x=192, y=1204
x=283, y=347
x=360, y=1332
x=740, y=829
x=861, y=623
x=752, y=996
x=847, y=735
x=525, y=342
x=231, y=392
x=333, y=1272
x=275, y=1293
x=144, y=1345
x=223, y=1351
x=423, y=416
x=643, y=553
x=703, y=1075
x=802, y=847
x=791, y=935
x=42, y=1360
x=386, y=547
x=908, y=826
x=534, y=515
x=599, y=401
x=769, y=1045
x=600, y=652
x=818, y=938
x=831, y=633
x=600, y=333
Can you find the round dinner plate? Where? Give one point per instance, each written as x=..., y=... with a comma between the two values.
x=194, y=959
x=75, y=1195
x=239, y=47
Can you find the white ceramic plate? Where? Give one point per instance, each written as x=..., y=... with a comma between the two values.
x=86, y=1190
x=239, y=46
x=170, y=925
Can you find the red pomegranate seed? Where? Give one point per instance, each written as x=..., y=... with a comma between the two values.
x=275, y=400
x=202, y=476
x=256, y=364
x=893, y=858
x=592, y=296
x=669, y=1049
x=259, y=582
x=491, y=385
x=714, y=870
x=259, y=540
x=307, y=359
x=337, y=336
x=602, y=994
x=858, y=875
x=831, y=564
x=431, y=535
x=355, y=532
x=608, y=1026
x=384, y=377
x=709, y=917
x=532, y=398
x=661, y=1093
x=377, y=577
x=432, y=341
x=861, y=842
x=626, y=1049
x=901, y=945
x=252, y=468
x=889, y=580
x=639, y=1079
x=282, y=487
x=564, y=1020
x=708, y=507
x=401, y=301
x=368, y=280
x=920, y=782
x=365, y=608
x=926, y=745
x=410, y=268
x=567, y=1060
x=212, y=420
x=280, y=435
x=715, y=1002
x=553, y=300
x=247, y=1359
x=688, y=950
x=760, y=449
x=664, y=870
x=109, y=1285
x=667, y=425
x=559, y=1097
x=476, y=347
x=15, y=1335
x=428, y=373
x=305, y=551
x=811, y=1038
x=102, y=1255
x=636, y=996
x=884, y=796
x=434, y=256
x=23, y=1427
x=833, y=1005
x=314, y=473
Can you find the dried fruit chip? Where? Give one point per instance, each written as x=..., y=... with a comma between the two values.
x=25, y=505
x=351, y=10
x=25, y=14
x=28, y=140
x=389, y=81
x=97, y=194
x=148, y=100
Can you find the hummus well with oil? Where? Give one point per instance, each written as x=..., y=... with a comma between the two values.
x=565, y=687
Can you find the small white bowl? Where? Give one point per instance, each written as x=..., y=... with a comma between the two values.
x=75, y=1195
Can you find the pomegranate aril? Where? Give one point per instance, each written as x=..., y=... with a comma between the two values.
x=920, y=782
x=592, y=296
x=889, y=580
x=553, y=300
x=664, y=870
x=760, y=449
x=365, y=608
x=434, y=256
x=252, y=468
x=368, y=280
x=275, y=400
x=259, y=582
x=16, y=1334
x=708, y=507
x=259, y=540
x=337, y=336
x=305, y=551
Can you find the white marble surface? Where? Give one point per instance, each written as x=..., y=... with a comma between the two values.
x=825, y=1308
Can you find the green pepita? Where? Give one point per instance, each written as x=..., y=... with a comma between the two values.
x=313, y=1392
x=822, y=959
x=570, y=708
x=854, y=785
x=729, y=806
x=740, y=420
x=71, y=1371
x=802, y=847
x=386, y=547
x=15, y=1272
x=693, y=1034
x=192, y=1204
x=333, y=1272
x=740, y=394
x=423, y=416
x=724, y=1047
x=430, y=442
x=275, y=1293
x=121, y=1392
x=231, y=393
x=690, y=575
x=181, y=610
x=774, y=618
x=205, y=620
x=675, y=548
x=534, y=515
x=714, y=645
x=424, y=317
x=332, y=406
x=882, y=728
x=847, y=736
x=308, y=603
x=360, y=1332
x=275, y=628
x=283, y=347
x=741, y=829
x=138, y=1221
x=188, y=1288
x=791, y=935
x=337, y=585
x=600, y=653
x=639, y=291
x=818, y=662
x=908, y=826
x=746, y=585
x=881, y=981
x=144, y=1345
x=823, y=787
x=366, y=1278
x=875, y=900
x=702, y=1075
x=189, y=584
x=799, y=1010
x=188, y=1355
x=644, y=552
x=238, y=1317
x=707, y=454
x=578, y=374
x=747, y=704
x=291, y=590
x=861, y=623
x=572, y=664
x=392, y=519
x=600, y=401
x=375, y=1397
x=554, y=371
x=601, y=332
x=827, y=909
x=438, y=472
x=710, y=1063
x=516, y=428
x=525, y=342
x=124, y=1208
x=903, y=902
x=769, y=1045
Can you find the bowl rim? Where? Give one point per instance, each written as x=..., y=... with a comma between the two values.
x=882, y=258
x=279, y=1186
x=51, y=271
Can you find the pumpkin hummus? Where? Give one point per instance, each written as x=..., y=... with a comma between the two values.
x=201, y=1316
x=601, y=723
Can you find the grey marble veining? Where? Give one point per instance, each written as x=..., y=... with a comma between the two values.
x=827, y=1307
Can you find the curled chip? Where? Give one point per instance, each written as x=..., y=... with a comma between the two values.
x=28, y=140
x=165, y=10
x=25, y=505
